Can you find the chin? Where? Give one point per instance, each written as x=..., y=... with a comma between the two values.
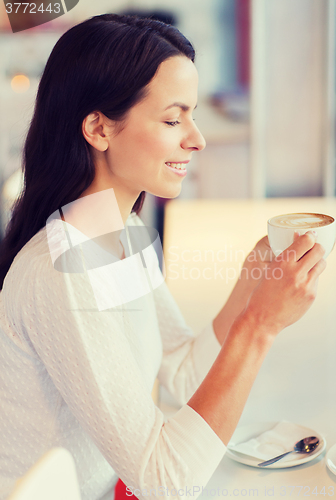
x=167, y=193
x=171, y=194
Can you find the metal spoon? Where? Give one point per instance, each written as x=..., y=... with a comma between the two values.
x=306, y=445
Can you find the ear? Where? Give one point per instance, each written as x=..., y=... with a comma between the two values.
x=96, y=130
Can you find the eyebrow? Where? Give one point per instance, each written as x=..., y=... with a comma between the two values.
x=184, y=107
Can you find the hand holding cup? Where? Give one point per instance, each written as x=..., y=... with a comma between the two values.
x=282, y=297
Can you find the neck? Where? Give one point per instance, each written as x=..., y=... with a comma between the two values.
x=93, y=216
x=125, y=202
x=104, y=179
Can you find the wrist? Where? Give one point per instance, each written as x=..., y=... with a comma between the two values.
x=254, y=265
x=260, y=329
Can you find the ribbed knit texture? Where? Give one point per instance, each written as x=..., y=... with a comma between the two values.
x=77, y=377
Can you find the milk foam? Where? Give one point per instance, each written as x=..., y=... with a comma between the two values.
x=301, y=221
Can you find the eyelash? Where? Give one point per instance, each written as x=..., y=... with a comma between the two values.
x=173, y=124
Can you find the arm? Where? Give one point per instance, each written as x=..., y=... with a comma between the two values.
x=186, y=358
x=249, y=278
x=273, y=305
x=221, y=397
x=255, y=313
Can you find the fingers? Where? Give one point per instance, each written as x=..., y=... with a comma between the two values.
x=312, y=258
x=264, y=241
x=263, y=251
x=262, y=245
x=300, y=246
x=318, y=269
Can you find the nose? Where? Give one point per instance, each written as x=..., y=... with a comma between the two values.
x=194, y=140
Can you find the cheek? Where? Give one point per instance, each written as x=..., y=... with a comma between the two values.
x=162, y=147
x=146, y=147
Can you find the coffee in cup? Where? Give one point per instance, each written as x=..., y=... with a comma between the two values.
x=281, y=230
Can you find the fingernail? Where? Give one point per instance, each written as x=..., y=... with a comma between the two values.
x=314, y=233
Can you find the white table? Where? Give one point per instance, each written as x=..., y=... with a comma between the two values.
x=297, y=381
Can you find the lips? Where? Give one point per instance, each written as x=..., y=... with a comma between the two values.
x=179, y=166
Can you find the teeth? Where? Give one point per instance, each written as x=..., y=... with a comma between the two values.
x=179, y=166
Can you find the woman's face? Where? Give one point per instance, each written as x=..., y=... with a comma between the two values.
x=152, y=151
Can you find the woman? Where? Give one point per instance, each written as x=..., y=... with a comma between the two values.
x=113, y=118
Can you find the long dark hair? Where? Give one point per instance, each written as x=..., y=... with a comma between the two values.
x=102, y=64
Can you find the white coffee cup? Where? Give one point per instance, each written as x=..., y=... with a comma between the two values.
x=281, y=230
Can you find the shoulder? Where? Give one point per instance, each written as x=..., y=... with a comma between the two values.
x=40, y=271
x=29, y=258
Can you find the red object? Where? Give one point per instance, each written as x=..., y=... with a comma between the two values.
x=120, y=492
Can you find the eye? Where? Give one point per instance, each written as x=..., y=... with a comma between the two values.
x=173, y=124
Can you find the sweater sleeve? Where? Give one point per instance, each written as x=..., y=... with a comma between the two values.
x=89, y=359
x=186, y=358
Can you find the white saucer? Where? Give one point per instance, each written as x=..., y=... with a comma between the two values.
x=250, y=431
x=331, y=459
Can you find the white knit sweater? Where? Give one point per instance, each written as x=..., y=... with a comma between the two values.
x=81, y=378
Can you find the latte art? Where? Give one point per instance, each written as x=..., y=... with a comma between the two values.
x=281, y=230
x=301, y=221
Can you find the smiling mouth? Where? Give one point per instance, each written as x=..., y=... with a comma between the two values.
x=178, y=166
